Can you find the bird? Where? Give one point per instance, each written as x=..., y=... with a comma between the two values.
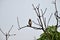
x=30, y=23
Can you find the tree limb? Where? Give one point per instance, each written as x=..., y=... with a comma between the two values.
x=56, y=13
x=43, y=16
x=49, y=19
x=18, y=22
x=30, y=27
x=10, y=29
x=2, y=31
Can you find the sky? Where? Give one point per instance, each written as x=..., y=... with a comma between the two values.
x=10, y=9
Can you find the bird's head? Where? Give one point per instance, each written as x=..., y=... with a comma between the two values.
x=29, y=19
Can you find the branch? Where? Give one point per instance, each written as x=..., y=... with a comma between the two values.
x=43, y=16
x=31, y=27
x=37, y=13
x=57, y=16
x=49, y=19
x=45, y=22
x=10, y=29
x=37, y=8
x=39, y=16
x=56, y=13
x=43, y=12
x=35, y=23
x=55, y=5
x=44, y=19
x=18, y=22
x=39, y=22
x=2, y=31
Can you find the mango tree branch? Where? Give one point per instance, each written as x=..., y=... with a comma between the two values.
x=39, y=16
x=56, y=14
x=30, y=27
x=27, y=26
x=43, y=16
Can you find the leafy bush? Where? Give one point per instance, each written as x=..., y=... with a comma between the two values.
x=51, y=32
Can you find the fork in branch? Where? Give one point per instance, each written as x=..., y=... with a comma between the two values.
x=7, y=35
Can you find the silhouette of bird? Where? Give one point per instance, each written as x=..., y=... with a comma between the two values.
x=30, y=23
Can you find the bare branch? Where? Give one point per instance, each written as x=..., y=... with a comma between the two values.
x=43, y=16
x=39, y=16
x=38, y=6
x=33, y=7
x=35, y=10
x=38, y=13
x=36, y=28
x=43, y=12
x=56, y=11
x=2, y=31
x=49, y=19
x=22, y=27
x=38, y=10
x=54, y=2
x=31, y=27
x=10, y=29
x=18, y=22
x=45, y=22
x=35, y=23
x=7, y=34
x=55, y=5
x=39, y=22
x=57, y=16
x=27, y=26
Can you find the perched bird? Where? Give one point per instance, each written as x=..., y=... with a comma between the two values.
x=30, y=23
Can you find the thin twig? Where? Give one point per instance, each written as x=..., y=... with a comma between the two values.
x=10, y=29
x=45, y=22
x=39, y=22
x=35, y=23
x=49, y=19
x=18, y=22
x=2, y=31
x=31, y=27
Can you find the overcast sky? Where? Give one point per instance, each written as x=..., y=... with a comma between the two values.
x=10, y=9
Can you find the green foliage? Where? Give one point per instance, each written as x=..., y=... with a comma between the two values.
x=52, y=34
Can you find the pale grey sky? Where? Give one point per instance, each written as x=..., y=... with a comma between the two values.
x=10, y=9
